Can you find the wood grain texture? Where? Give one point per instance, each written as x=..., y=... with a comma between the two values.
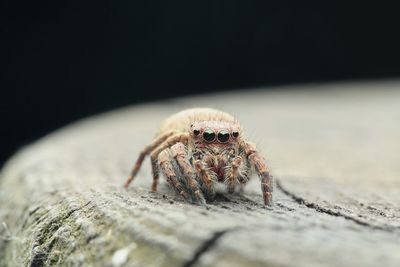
x=333, y=150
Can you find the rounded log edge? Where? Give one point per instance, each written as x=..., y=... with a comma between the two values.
x=62, y=201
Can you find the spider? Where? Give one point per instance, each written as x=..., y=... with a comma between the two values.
x=198, y=148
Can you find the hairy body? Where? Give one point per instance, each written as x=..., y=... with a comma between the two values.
x=198, y=148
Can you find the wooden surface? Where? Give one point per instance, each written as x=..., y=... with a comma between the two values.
x=333, y=149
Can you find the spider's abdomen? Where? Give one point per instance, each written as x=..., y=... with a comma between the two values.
x=181, y=121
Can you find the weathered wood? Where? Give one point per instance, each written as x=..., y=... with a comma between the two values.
x=333, y=152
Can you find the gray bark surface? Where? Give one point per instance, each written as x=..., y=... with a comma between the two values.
x=333, y=149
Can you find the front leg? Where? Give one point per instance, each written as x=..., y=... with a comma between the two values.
x=170, y=141
x=165, y=162
x=179, y=153
x=262, y=170
x=231, y=174
x=205, y=178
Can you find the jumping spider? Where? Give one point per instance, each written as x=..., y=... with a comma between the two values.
x=199, y=148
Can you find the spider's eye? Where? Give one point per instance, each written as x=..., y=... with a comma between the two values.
x=196, y=132
x=208, y=135
x=223, y=136
x=235, y=134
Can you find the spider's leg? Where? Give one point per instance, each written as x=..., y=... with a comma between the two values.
x=231, y=175
x=147, y=150
x=179, y=153
x=244, y=174
x=156, y=174
x=164, y=159
x=205, y=178
x=262, y=170
x=172, y=140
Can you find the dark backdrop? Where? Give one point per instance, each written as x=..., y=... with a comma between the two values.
x=63, y=61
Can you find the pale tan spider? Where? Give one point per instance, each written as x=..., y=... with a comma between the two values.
x=199, y=148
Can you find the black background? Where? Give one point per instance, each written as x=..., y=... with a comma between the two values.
x=62, y=61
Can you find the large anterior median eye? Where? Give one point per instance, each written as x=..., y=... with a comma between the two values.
x=208, y=135
x=223, y=136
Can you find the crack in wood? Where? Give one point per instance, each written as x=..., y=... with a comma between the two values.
x=206, y=246
x=328, y=211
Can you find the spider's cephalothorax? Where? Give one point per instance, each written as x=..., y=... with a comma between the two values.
x=215, y=146
x=199, y=148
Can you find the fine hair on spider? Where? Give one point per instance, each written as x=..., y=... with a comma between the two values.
x=197, y=149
